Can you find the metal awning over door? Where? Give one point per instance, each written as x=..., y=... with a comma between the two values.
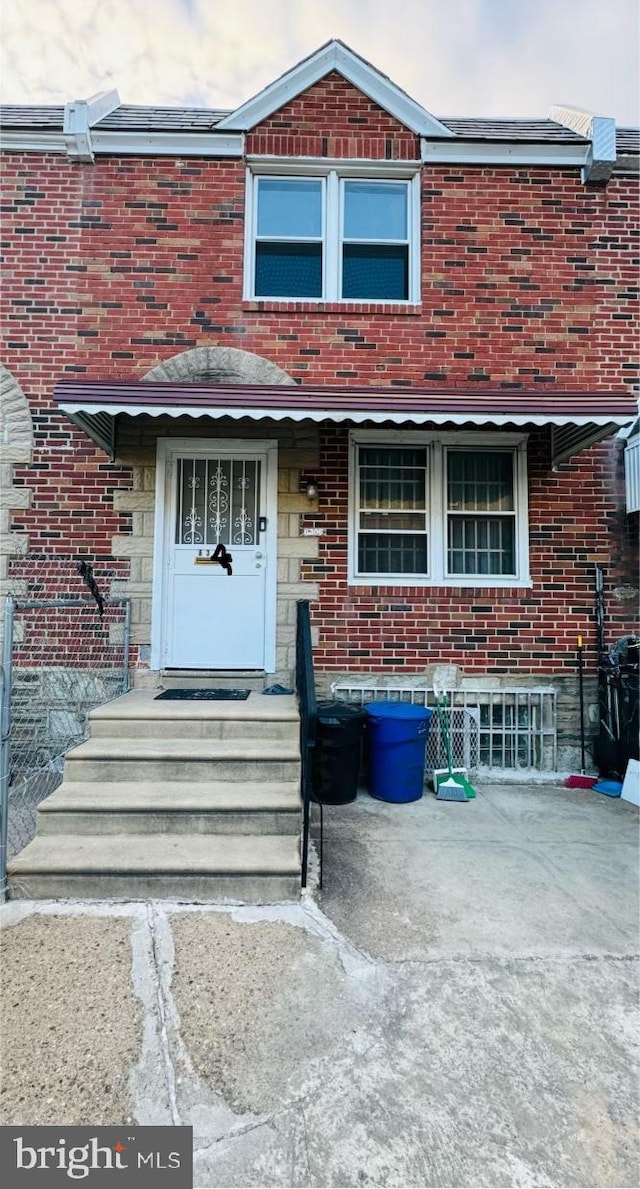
x=577, y=419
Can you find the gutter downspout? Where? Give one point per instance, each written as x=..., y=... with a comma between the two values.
x=79, y=117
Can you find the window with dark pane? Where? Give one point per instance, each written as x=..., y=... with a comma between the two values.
x=480, y=513
x=375, y=249
x=288, y=261
x=217, y=501
x=392, y=510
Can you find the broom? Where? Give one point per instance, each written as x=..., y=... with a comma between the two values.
x=449, y=785
x=581, y=780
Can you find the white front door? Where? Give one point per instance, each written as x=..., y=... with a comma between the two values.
x=216, y=493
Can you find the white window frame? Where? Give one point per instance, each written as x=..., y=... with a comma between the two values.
x=437, y=445
x=333, y=175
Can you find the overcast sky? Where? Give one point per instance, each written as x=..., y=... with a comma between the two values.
x=456, y=57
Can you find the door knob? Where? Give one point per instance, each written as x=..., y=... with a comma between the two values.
x=258, y=555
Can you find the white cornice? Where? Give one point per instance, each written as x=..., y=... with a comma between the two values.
x=128, y=144
x=336, y=56
x=167, y=144
x=478, y=152
x=32, y=140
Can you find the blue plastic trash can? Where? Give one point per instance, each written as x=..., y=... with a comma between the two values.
x=397, y=734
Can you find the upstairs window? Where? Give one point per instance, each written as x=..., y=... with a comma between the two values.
x=333, y=238
x=375, y=241
x=289, y=237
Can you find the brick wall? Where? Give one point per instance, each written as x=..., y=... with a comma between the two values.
x=574, y=523
x=333, y=119
x=529, y=280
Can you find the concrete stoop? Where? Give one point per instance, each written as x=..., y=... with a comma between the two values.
x=187, y=800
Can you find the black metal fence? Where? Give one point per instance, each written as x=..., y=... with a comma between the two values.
x=306, y=691
x=617, y=741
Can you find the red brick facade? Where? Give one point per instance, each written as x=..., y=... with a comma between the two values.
x=528, y=280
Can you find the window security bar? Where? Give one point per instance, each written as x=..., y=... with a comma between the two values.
x=493, y=730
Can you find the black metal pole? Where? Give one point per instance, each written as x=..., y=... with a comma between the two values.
x=581, y=694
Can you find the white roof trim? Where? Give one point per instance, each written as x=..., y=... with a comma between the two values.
x=600, y=131
x=167, y=144
x=335, y=55
x=478, y=152
x=25, y=140
x=177, y=144
x=77, y=408
x=79, y=116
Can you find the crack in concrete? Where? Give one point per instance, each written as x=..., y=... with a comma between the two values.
x=164, y=1001
x=242, y=1129
x=149, y=1074
x=305, y=1136
x=509, y=960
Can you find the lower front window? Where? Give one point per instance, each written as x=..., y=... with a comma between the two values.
x=439, y=510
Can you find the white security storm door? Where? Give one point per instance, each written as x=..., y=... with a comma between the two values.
x=218, y=494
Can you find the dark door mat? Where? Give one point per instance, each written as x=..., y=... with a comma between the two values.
x=203, y=695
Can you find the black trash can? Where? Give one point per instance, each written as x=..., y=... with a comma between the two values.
x=336, y=760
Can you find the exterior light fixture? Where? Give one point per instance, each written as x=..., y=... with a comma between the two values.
x=311, y=489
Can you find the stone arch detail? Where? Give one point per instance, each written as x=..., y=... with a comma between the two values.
x=219, y=365
x=16, y=426
x=16, y=448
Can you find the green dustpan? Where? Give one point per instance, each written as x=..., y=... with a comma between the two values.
x=453, y=786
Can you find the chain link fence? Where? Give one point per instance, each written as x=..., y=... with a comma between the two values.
x=61, y=657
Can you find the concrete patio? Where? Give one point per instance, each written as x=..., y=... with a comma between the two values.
x=458, y=1007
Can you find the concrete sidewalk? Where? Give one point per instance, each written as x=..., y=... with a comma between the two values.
x=457, y=1008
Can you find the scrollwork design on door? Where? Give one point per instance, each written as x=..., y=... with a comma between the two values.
x=218, y=505
x=244, y=504
x=192, y=533
x=217, y=501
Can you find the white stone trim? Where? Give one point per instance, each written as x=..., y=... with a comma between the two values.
x=16, y=447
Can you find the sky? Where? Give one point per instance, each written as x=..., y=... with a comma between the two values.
x=455, y=57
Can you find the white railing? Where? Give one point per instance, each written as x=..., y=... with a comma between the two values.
x=512, y=729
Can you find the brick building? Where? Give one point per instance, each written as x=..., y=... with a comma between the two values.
x=380, y=356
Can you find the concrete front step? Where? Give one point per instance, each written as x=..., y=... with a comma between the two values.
x=140, y=714
x=129, y=866
x=171, y=759
x=144, y=807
